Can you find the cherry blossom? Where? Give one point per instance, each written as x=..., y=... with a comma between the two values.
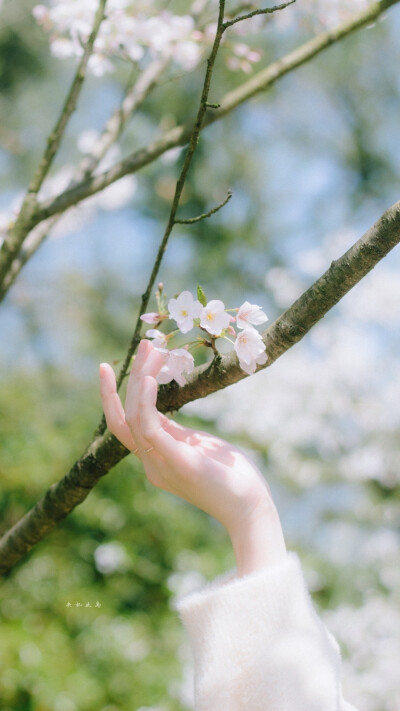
x=159, y=338
x=122, y=34
x=178, y=362
x=184, y=309
x=151, y=317
x=213, y=317
x=250, y=314
x=250, y=349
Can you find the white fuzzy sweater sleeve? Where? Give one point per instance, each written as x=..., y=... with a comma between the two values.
x=259, y=645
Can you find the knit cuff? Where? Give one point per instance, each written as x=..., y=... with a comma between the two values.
x=280, y=586
x=258, y=643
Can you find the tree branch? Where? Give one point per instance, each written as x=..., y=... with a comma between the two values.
x=134, y=97
x=29, y=246
x=26, y=218
x=55, y=137
x=105, y=451
x=135, y=94
x=180, y=135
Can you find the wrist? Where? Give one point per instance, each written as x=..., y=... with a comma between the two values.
x=258, y=541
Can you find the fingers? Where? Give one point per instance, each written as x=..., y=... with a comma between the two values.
x=150, y=432
x=147, y=362
x=177, y=431
x=112, y=406
x=141, y=428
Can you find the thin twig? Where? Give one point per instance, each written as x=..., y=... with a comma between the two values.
x=192, y=220
x=180, y=135
x=266, y=11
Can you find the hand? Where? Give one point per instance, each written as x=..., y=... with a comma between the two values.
x=204, y=470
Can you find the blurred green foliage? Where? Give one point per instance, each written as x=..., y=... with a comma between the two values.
x=122, y=654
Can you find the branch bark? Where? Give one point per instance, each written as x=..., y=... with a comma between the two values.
x=180, y=135
x=105, y=451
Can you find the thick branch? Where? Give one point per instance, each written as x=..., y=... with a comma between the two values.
x=180, y=135
x=26, y=218
x=105, y=451
x=299, y=318
x=60, y=499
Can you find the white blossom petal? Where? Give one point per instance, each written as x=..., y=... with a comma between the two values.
x=178, y=362
x=184, y=309
x=250, y=314
x=250, y=349
x=213, y=317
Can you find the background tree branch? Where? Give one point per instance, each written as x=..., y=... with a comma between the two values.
x=85, y=184
x=105, y=451
x=26, y=220
x=180, y=135
x=136, y=92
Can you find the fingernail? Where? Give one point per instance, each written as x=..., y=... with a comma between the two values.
x=141, y=346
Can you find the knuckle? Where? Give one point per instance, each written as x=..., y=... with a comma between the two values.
x=142, y=402
x=130, y=420
x=148, y=432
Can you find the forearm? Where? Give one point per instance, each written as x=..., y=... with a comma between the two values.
x=258, y=540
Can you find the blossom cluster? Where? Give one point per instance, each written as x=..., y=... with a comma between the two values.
x=214, y=321
x=136, y=29
x=128, y=32
x=133, y=31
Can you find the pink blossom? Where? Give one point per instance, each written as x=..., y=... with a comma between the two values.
x=250, y=314
x=159, y=338
x=213, y=317
x=250, y=349
x=178, y=361
x=184, y=310
x=151, y=317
